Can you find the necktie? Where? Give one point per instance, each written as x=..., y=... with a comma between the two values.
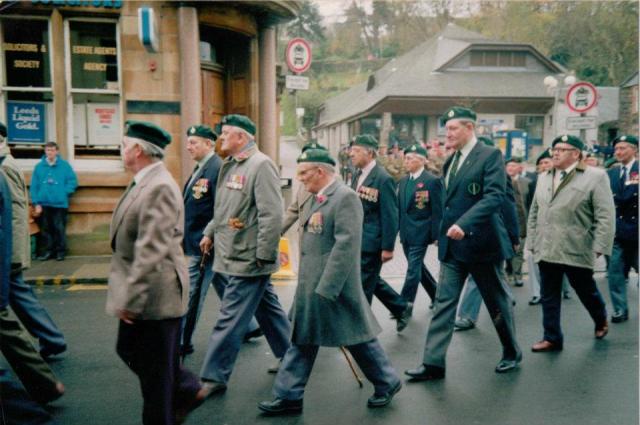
x=563, y=174
x=356, y=177
x=454, y=167
x=623, y=176
x=128, y=189
x=193, y=175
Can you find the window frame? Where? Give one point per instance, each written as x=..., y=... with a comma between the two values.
x=26, y=163
x=83, y=163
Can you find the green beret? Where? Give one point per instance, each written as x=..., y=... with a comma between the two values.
x=569, y=139
x=544, y=155
x=458, y=113
x=239, y=121
x=610, y=162
x=202, y=131
x=515, y=159
x=316, y=155
x=487, y=141
x=366, y=140
x=3, y=130
x=417, y=149
x=149, y=132
x=629, y=139
x=313, y=145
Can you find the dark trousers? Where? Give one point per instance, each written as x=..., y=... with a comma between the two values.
x=151, y=350
x=373, y=284
x=417, y=273
x=53, y=224
x=581, y=279
x=17, y=408
x=623, y=258
x=34, y=373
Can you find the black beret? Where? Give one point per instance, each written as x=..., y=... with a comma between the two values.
x=202, y=131
x=148, y=132
x=316, y=155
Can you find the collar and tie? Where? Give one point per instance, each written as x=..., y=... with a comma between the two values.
x=356, y=177
x=454, y=167
x=563, y=174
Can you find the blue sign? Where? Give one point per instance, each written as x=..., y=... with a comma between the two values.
x=26, y=122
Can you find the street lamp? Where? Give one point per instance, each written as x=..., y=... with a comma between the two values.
x=551, y=83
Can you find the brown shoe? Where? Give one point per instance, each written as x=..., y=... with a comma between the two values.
x=183, y=411
x=602, y=330
x=546, y=346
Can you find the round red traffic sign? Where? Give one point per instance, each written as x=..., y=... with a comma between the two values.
x=298, y=55
x=581, y=97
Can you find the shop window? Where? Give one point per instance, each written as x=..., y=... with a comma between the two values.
x=407, y=130
x=371, y=126
x=27, y=97
x=95, y=89
x=533, y=125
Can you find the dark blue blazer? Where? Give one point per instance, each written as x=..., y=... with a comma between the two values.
x=380, y=205
x=625, y=197
x=474, y=201
x=5, y=240
x=199, y=200
x=420, y=214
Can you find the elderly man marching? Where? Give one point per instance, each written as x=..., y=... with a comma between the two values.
x=245, y=232
x=330, y=307
x=570, y=220
x=148, y=281
x=471, y=241
x=624, y=185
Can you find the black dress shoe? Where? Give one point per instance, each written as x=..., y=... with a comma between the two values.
x=281, y=406
x=425, y=373
x=46, y=256
x=256, y=333
x=534, y=301
x=506, y=365
x=404, y=318
x=381, y=400
x=620, y=316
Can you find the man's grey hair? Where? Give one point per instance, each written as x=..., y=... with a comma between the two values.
x=241, y=130
x=155, y=153
x=374, y=151
x=328, y=168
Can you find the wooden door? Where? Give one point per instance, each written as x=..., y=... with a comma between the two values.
x=213, y=97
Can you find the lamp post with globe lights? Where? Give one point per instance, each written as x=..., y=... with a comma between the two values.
x=552, y=85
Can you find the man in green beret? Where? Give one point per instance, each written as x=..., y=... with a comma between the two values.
x=472, y=240
x=245, y=234
x=624, y=256
x=420, y=198
x=330, y=308
x=149, y=282
x=377, y=191
x=571, y=218
x=544, y=161
x=521, y=186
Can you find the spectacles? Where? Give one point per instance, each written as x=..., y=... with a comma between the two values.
x=562, y=150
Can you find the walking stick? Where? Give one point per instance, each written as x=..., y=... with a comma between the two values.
x=355, y=374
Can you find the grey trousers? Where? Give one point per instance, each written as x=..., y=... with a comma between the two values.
x=452, y=278
x=243, y=298
x=298, y=361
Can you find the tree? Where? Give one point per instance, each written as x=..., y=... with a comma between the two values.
x=308, y=24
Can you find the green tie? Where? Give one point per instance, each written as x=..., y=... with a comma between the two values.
x=408, y=190
x=454, y=167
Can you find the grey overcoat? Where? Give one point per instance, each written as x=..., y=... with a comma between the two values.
x=330, y=308
x=20, y=209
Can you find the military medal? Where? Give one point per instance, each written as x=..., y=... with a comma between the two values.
x=236, y=181
x=236, y=223
x=314, y=224
x=368, y=193
x=199, y=188
x=633, y=178
x=422, y=197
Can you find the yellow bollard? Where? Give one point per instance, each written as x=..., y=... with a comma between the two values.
x=285, y=271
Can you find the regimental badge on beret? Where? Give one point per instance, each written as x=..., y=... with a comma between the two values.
x=316, y=155
x=416, y=149
x=192, y=130
x=203, y=131
x=569, y=139
x=623, y=139
x=451, y=114
x=565, y=138
x=458, y=112
x=627, y=139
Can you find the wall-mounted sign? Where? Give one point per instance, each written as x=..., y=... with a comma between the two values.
x=581, y=123
x=26, y=122
x=581, y=97
x=94, y=55
x=298, y=55
x=148, y=29
x=104, y=123
x=110, y=4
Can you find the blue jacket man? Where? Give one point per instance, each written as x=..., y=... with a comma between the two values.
x=624, y=185
x=470, y=242
x=420, y=199
x=52, y=183
x=376, y=190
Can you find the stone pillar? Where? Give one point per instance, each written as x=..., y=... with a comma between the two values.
x=268, y=120
x=385, y=129
x=190, y=80
x=59, y=85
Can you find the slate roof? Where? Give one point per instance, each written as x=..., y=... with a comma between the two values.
x=420, y=73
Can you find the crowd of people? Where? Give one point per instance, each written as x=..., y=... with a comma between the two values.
x=487, y=216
